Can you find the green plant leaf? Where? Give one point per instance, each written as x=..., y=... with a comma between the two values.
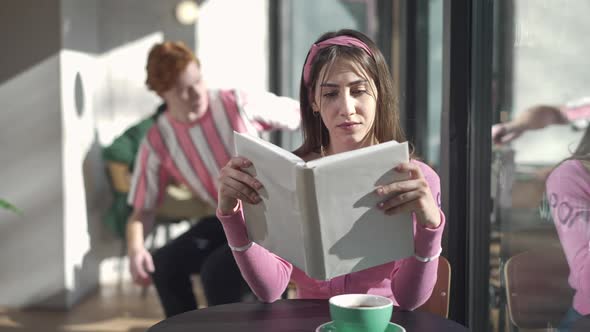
x=7, y=206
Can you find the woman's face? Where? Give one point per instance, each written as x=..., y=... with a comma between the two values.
x=347, y=104
x=187, y=100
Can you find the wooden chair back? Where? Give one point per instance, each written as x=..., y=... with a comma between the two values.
x=537, y=289
x=438, y=303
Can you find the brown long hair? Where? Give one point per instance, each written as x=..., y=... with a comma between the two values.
x=386, y=126
x=582, y=152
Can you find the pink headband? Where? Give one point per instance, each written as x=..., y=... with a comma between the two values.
x=340, y=40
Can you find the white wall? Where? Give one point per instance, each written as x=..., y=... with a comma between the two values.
x=81, y=165
x=232, y=43
x=121, y=95
x=31, y=247
x=73, y=79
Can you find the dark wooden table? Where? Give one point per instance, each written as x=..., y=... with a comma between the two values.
x=286, y=315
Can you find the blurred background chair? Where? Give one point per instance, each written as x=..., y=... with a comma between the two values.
x=438, y=303
x=537, y=289
x=178, y=205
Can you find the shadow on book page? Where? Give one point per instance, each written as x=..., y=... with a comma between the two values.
x=355, y=234
x=370, y=200
x=258, y=226
x=270, y=223
x=369, y=243
x=268, y=226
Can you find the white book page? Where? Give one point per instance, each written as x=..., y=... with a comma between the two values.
x=274, y=223
x=356, y=235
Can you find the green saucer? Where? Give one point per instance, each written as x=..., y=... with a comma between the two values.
x=329, y=327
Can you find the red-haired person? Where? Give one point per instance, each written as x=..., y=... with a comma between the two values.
x=188, y=145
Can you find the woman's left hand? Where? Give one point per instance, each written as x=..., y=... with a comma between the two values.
x=412, y=195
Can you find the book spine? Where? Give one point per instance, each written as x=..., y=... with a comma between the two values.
x=310, y=224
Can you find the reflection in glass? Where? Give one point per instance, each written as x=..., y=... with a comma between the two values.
x=568, y=187
x=540, y=174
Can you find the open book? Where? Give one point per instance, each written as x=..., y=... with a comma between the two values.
x=322, y=215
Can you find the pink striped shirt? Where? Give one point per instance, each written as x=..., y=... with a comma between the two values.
x=577, y=109
x=568, y=191
x=408, y=282
x=193, y=153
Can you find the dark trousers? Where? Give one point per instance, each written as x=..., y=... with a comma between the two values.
x=202, y=249
x=574, y=321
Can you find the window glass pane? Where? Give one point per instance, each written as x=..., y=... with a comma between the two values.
x=309, y=20
x=540, y=221
x=435, y=51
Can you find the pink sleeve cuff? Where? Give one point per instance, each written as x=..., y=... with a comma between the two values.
x=427, y=241
x=577, y=109
x=234, y=227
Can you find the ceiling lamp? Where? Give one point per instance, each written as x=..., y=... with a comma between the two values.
x=187, y=12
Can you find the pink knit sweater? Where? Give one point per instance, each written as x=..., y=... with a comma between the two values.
x=408, y=282
x=568, y=189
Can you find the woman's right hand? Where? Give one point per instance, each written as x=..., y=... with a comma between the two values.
x=236, y=185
